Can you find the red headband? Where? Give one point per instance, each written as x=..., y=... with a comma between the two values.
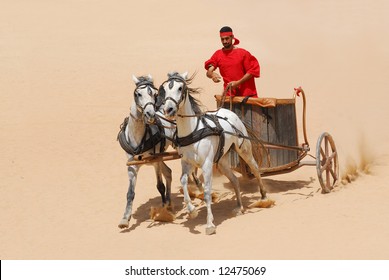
x=226, y=33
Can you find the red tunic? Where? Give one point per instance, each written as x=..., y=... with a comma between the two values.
x=233, y=65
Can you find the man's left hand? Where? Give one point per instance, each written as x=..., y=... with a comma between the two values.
x=232, y=85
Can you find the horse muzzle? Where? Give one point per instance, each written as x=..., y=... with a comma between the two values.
x=149, y=117
x=170, y=112
x=150, y=120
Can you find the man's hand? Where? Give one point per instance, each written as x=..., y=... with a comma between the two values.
x=232, y=85
x=212, y=75
x=235, y=84
x=216, y=77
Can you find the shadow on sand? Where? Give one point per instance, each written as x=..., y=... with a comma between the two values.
x=222, y=209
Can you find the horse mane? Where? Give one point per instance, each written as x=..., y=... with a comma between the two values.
x=143, y=79
x=196, y=104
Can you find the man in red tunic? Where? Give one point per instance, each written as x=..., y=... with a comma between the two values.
x=236, y=65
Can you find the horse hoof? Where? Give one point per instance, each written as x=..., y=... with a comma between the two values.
x=238, y=211
x=210, y=230
x=123, y=224
x=193, y=214
x=161, y=214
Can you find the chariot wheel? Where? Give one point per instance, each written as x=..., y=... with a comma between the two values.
x=327, y=163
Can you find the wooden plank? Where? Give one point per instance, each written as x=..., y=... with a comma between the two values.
x=262, y=102
x=259, y=127
x=275, y=125
x=286, y=132
x=285, y=101
x=165, y=156
x=270, y=114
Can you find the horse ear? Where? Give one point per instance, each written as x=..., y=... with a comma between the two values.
x=135, y=79
x=160, y=97
x=185, y=75
x=161, y=92
x=150, y=78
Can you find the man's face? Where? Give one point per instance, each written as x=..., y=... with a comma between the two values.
x=227, y=41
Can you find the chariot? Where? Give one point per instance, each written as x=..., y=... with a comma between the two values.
x=274, y=122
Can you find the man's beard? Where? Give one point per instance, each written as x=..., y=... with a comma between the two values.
x=227, y=45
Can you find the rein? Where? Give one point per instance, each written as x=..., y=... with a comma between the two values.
x=228, y=88
x=173, y=123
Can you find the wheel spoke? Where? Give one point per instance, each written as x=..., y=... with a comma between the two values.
x=328, y=162
x=333, y=174
x=322, y=153
x=328, y=179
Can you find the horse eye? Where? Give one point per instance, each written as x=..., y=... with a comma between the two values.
x=180, y=88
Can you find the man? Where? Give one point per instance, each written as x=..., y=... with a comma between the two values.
x=236, y=65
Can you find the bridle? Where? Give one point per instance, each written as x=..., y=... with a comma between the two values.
x=150, y=87
x=184, y=90
x=149, y=140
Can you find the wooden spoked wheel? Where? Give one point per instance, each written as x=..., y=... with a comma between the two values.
x=327, y=163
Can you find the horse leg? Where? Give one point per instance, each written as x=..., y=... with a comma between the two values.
x=186, y=170
x=167, y=173
x=197, y=180
x=225, y=169
x=207, y=172
x=245, y=152
x=132, y=173
x=160, y=185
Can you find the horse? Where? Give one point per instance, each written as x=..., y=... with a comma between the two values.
x=143, y=134
x=205, y=139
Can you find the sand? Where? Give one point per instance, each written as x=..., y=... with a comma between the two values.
x=65, y=87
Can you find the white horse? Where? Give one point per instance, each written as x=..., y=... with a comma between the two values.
x=204, y=139
x=142, y=135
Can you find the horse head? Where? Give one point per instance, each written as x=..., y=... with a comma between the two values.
x=145, y=95
x=173, y=92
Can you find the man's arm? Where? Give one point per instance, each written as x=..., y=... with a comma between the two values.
x=235, y=84
x=212, y=75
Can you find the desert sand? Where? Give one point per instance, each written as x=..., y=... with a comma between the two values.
x=65, y=87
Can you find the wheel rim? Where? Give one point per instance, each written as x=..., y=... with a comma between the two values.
x=327, y=164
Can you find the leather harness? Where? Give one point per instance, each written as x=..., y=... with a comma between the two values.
x=149, y=140
x=206, y=131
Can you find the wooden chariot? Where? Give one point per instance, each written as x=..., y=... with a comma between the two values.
x=272, y=123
